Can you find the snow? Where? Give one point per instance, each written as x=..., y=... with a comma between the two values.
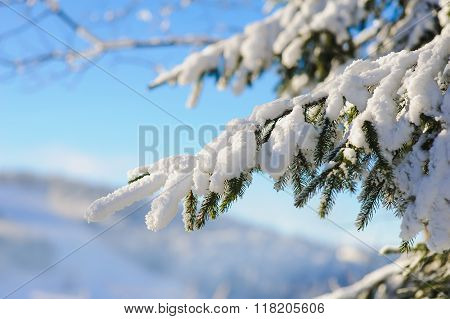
x=409, y=30
x=351, y=254
x=443, y=14
x=290, y=134
x=374, y=88
x=238, y=156
x=431, y=207
x=350, y=154
x=292, y=52
x=270, y=110
x=255, y=48
x=368, y=281
x=336, y=16
x=127, y=261
x=165, y=206
x=200, y=182
x=425, y=96
x=124, y=197
x=285, y=33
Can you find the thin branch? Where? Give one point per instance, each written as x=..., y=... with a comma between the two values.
x=97, y=46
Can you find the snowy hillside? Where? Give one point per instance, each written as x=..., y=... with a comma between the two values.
x=41, y=221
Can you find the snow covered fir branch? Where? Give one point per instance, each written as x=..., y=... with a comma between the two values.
x=420, y=274
x=309, y=40
x=380, y=128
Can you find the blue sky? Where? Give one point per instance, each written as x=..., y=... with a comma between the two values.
x=86, y=127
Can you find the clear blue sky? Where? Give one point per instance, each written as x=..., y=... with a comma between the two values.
x=86, y=127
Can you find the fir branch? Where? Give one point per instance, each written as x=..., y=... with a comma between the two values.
x=282, y=182
x=372, y=140
x=369, y=206
x=208, y=209
x=234, y=189
x=312, y=111
x=131, y=181
x=312, y=188
x=264, y=131
x=406, y=246
x=332, y=187
x=190, y=211
x=262, y=134
x=297, y=173
x=370, y=196
x=300, y=172
x=325, y=141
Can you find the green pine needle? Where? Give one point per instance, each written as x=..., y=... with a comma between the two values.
x=372, y=140
x=190, y=211
x=281, y=183
x=407, y=246
x=333, y=186
x=325, y=141
x=208, y=209
x=234, y=189
x=370, y=196
x=138, y=178
x=311, y=189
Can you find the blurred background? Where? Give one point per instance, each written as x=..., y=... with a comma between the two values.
x=69, y=134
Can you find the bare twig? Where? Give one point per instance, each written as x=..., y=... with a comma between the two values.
x=97, y=46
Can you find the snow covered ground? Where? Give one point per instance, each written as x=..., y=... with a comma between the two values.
x=41, y=221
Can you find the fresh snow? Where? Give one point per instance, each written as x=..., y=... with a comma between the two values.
x=411, y=74
x=285, y=32
x=227, y=259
